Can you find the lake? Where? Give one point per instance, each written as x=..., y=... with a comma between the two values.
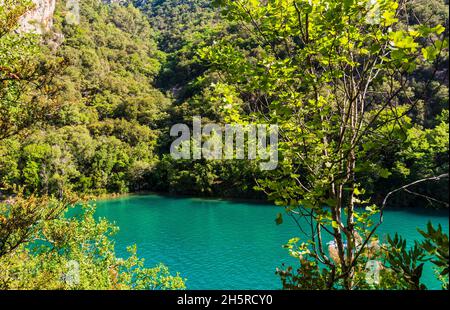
x=218, y=244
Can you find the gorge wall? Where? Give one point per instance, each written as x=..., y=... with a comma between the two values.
x=39, y=19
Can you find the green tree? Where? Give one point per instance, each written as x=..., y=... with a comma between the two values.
x=333, y=76
x=38, y=240
x=80, y=244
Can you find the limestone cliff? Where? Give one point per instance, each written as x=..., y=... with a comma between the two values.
x=40, y=19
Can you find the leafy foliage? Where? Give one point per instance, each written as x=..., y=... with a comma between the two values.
x=39, y=245
x=45, y=260
x=404, y=261
x=335, y=77
x=103, y=137
x=436, y=245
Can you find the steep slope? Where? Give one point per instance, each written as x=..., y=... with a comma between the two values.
x=40, y=19
x=183, y=26
x=102, y=138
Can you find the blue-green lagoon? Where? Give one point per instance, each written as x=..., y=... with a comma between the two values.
x=218, y=244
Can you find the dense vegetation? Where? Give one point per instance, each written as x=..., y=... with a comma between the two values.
x=120, y=80
x=342, y=80
x=104, y=134
x=87, y=108
x=77, y=118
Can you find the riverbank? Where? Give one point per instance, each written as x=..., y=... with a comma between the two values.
x=109, y=196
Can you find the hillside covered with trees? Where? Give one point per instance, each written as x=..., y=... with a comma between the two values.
x=121, y=78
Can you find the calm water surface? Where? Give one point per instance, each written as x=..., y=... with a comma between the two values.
x=218, y=244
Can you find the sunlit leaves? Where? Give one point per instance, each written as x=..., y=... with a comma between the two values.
x=436, y=244
x=330, y=74
x=48, y=241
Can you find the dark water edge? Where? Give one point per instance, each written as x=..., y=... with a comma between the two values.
x=185, y=196
x=258, y=201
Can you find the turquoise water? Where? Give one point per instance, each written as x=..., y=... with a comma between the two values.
x=218, y=244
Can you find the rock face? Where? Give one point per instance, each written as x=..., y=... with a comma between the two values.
x=40, y=19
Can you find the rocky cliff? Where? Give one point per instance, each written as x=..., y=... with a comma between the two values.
x=40, y=19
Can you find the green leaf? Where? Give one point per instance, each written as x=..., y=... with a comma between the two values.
x=384, y=173
x=439, y=29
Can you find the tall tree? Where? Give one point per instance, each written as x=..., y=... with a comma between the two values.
x=333, y=75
